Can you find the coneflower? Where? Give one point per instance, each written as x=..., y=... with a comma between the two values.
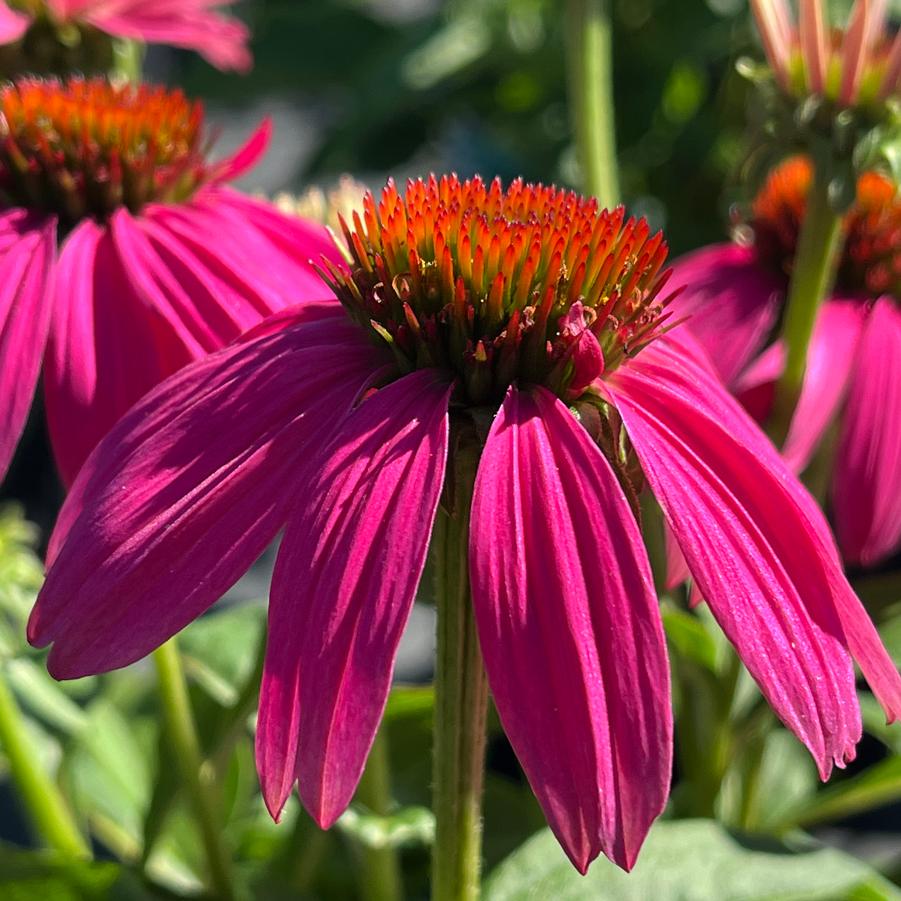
x=526, y=329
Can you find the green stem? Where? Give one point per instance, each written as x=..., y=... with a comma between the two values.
x=380, y=868
x=182, y=733
x=461, y=698
x=45, y=805
x=813, y=271
x=590, y=62
x=128, y=60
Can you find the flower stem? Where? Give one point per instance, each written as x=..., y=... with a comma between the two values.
x=45, y=805
x=590, y=62
x=813, y=271
x=461, y=698
x=182, y=733
x=380, y=868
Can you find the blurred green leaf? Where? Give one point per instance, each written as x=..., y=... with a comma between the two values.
x=27, y=875
x=691, y=860
x=43, y=696
x=219, y=650
x=688, y=636
x=406, y=827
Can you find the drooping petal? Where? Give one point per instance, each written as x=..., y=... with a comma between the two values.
x=27, y=248
x=751, y=549
x=194, y=24
x=867, y=476
x=12, y=24
x=342, y=591
x=831, y=601
x=187, y=490
x=209, y=291
x=570, y=629
x=106, y=348
x=730, y=302
x=835, y=597
x=830, y=357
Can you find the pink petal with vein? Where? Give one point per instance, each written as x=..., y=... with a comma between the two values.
x=570, y=629
x=831, y=356
x=187, y=490
x=832, y=602
x=27, y=248
x=727, y=292
x=344, y=584
x=867, y=478
x=106, y=347
x=757, y=560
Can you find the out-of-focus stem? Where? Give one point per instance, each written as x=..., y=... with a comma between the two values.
x=41, y=797
x=813, y=271
x=589, y=53
x=182, y=734
x=380, y=869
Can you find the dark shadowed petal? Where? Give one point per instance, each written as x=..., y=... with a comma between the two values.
x=570, y=630
x=27, y=248
x=344, y=583
x=106, y=347
x=726, y=293
x=867, y=479
x=760, y=564
x=187, y=490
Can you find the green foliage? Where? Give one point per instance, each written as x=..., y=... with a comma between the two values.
x=691, y=860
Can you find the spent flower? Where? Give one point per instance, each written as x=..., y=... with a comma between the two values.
x=536, y=325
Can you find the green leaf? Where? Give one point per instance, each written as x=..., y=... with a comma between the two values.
x=26, y=875
x=410, y=701
x=691, y=860
x=688, y=637
x=219, y=650
x=406, y=827
x=43, y=696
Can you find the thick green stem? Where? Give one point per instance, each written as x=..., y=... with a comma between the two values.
x=590, y=62
x=42, y=799
x=461, y=698
x=182, y=734
x=380, y=868
x=813, y=271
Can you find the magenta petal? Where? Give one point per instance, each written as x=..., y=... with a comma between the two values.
x=731, y=302
x=13, y=25
x=186, y=492
x=570, y=629
x=27, y=248
x=767, y=572
x=867, y=479
x=344, y=584
x=831, y=356
x=104, y=352
x=247, y=155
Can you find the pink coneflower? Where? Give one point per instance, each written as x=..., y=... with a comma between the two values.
x=733, y=297
x=858, y=66
x=533, y=319
x=193, y=24
x=124, y=253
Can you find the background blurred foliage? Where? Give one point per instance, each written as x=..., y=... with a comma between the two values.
x=479, y=86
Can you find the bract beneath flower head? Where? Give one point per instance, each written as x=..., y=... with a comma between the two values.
x=530, y=284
